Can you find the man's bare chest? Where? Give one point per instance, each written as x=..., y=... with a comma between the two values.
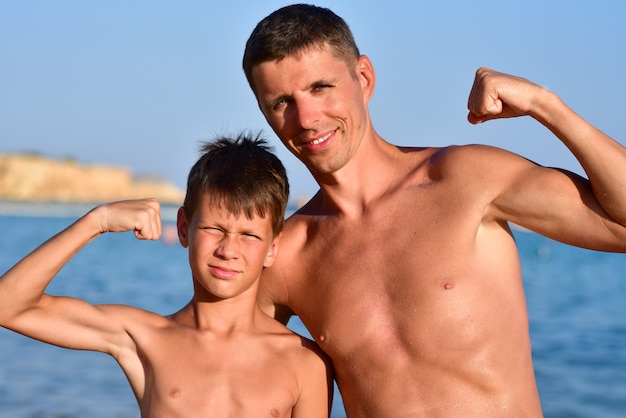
x=385, y=268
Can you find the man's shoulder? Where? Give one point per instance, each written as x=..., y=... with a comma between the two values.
x=463, y=150
x=416, y=158
x=297, y=226
x=469, y=158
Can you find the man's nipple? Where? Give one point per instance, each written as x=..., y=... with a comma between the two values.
x=447, y=285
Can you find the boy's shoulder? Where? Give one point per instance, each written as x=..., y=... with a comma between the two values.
x=292, y=344
x=135, y=318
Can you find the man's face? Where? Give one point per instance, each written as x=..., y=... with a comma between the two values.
x=316, y=104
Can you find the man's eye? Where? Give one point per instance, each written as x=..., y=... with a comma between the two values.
x=280, y=103
x=322, y=87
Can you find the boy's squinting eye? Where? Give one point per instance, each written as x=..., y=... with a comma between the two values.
x=251, y=235
x=212, y=229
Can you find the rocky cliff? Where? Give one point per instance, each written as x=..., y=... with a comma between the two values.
x=34, y=178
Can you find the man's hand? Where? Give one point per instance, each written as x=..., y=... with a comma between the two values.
x=141, y=216
x=497, y=95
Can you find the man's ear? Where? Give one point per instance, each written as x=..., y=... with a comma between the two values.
x=183, y=227
x=367, y=76
x=270, y=257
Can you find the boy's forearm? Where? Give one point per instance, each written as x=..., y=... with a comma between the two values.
x=23, y=285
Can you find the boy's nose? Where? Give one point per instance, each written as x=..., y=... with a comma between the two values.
x=229, y=247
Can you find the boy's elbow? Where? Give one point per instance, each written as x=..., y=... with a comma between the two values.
x=13, y=310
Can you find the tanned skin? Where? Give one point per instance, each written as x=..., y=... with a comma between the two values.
x=219, y=356
x=403, y=266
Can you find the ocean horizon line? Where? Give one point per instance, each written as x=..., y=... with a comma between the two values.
x=75, y=209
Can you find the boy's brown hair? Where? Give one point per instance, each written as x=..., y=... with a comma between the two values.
x=242, y=175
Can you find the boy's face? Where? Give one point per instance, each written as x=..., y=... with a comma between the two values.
x=226, y=252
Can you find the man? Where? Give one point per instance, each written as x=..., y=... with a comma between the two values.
x=403, y=266
x=220, y=355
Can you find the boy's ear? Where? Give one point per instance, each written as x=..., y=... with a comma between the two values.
x=183, y=227
x=272, y=252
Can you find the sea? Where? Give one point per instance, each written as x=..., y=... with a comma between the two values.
x=576, y=301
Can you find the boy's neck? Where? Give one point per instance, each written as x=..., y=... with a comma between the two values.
x=222, y=317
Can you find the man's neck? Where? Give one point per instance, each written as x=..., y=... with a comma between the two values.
x=368, y=176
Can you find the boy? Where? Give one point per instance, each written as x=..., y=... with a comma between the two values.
x=220, y=355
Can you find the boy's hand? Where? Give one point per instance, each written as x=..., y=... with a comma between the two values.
x=141, y=216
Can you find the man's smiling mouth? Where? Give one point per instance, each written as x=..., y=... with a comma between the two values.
x=320, y=140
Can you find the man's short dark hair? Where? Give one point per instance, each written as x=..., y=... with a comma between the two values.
x=293, y=29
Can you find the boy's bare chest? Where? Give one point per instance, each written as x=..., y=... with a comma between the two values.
x=191, y=376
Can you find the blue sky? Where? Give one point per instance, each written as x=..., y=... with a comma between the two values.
x=140, y=83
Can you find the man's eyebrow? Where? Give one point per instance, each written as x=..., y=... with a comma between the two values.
x=319, y=82
x=323, y=82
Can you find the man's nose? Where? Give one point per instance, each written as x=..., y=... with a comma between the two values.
x=308, y=113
